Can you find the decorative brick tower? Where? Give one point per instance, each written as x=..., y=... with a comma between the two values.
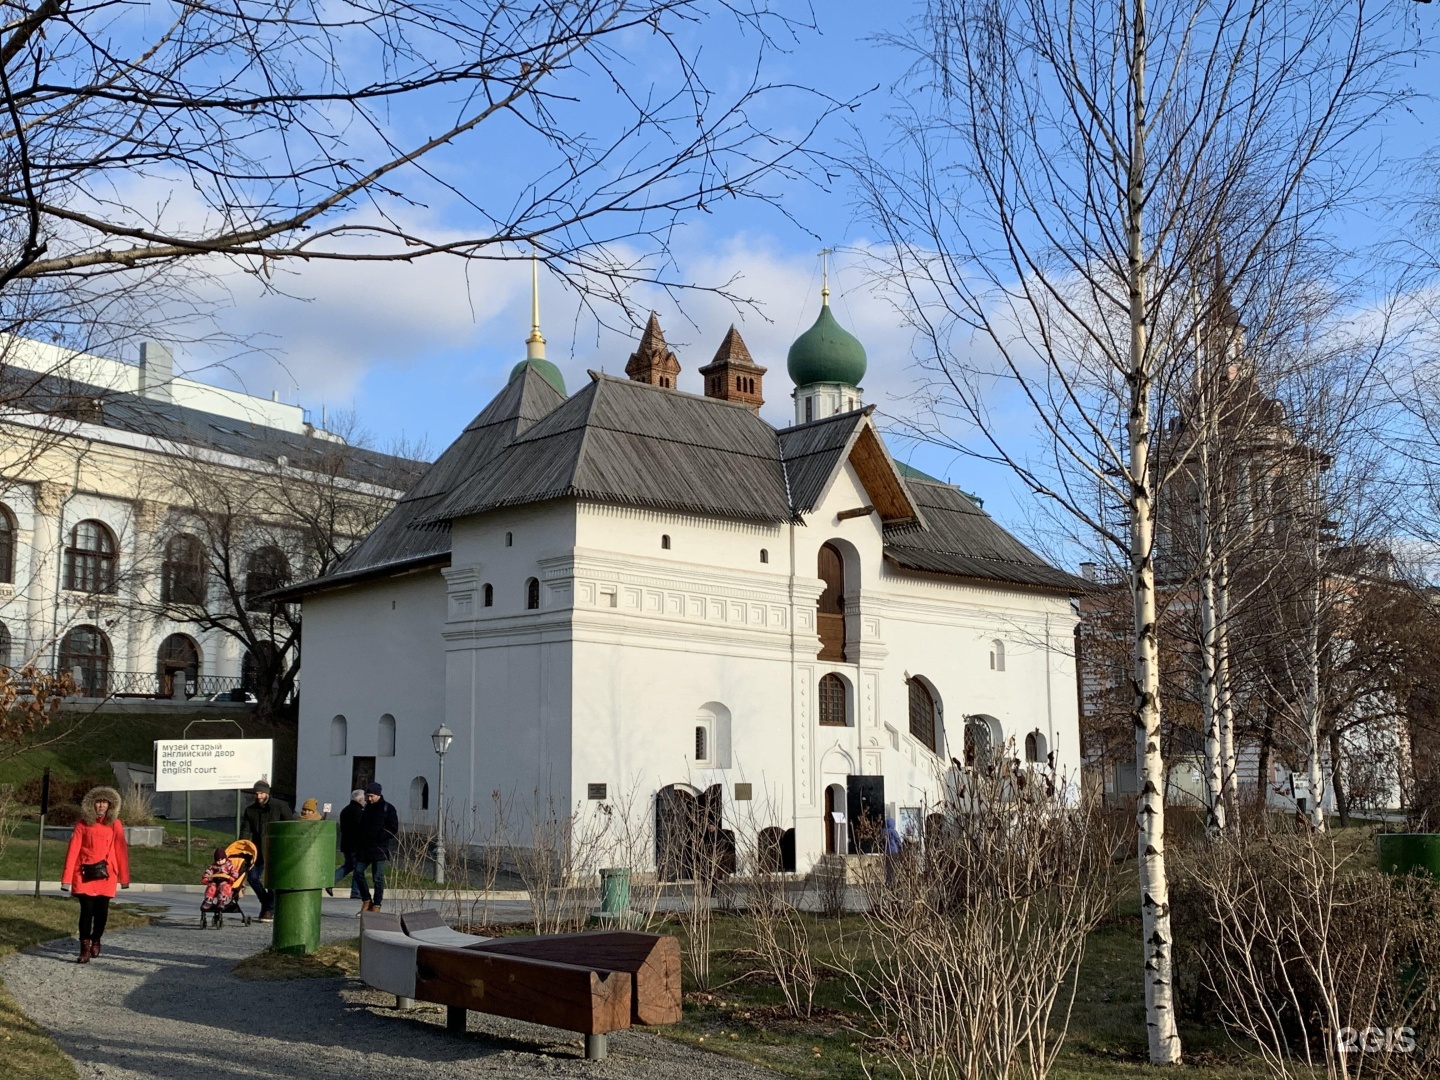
x=653, y=362
x=733, y=375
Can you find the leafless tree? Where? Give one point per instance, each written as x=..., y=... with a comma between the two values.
x=1062, y=173
x=137, y=139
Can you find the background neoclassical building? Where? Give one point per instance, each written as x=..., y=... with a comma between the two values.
x=142, y=516
x=633, y=591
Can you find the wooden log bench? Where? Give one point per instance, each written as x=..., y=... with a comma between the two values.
x=590, y=983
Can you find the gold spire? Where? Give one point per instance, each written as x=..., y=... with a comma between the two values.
x=824, y=277
x=535, y=343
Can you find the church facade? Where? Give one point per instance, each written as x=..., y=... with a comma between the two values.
x=637, y=594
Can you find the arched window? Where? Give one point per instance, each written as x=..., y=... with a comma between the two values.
x=258, y=668
x=85, y=653
x=266, y=568
x=182, y=575
x=532, y=594
x=764, y=555
x=179, y=657
x=90, y=558
x=1036, y=750
x=665, y=541
x=712, y=735
x=7, y=545
x=487, y=593
x=419, y=796
x=997, y=655
x=832, y=701
x=922, y=714
x=830, y=609
x=702, y=744
x=386, y=747
x=509, y=539
x=979, y=743
x=4, y=646
x=339, y=736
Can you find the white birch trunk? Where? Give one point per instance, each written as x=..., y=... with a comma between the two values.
x=1229, y=775
x=1310, y=693
x=1164, y=1038
x=1215, y=818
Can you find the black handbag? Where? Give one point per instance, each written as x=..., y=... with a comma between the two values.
x=95, y=871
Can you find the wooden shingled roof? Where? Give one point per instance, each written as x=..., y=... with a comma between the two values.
x=629, y=443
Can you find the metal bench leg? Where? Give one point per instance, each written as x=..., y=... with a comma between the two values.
x=596, y=1047
x=454, y=1019
x=404, y=1004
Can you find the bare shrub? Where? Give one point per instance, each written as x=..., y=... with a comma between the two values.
x=9, y=815
x=974, y=936
x=697, y=854
x=556, y=852
x=780, y=940
x=137, y=805
x=1309, y=953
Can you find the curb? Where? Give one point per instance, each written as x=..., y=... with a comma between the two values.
x=199, y=890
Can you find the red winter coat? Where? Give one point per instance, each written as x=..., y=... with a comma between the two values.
x=95, y=840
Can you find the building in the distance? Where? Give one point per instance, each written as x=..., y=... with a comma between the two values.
x=142, y=514
x=637, y=596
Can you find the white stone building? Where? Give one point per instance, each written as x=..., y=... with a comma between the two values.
x=635, y=593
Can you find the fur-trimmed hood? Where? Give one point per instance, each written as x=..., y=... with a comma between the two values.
x=87, y=805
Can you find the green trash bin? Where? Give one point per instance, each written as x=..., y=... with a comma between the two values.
x=615, y=894
x=299, y=863
x=1400, y=853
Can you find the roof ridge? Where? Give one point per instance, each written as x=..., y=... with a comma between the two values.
x=688, y=395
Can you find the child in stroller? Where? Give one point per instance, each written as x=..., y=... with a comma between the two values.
x=224, y=882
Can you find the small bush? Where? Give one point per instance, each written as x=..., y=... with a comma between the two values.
x=64, y=814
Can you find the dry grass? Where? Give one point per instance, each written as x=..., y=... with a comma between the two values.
x=337, y=960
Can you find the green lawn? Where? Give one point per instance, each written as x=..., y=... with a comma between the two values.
x=28, y=1050
x=162, y=865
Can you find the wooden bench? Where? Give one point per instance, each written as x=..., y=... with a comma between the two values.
x=590, y=983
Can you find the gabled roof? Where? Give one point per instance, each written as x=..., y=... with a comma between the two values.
x=961, y=540
x=814, y=452
x=398, y=539
x=634, y=444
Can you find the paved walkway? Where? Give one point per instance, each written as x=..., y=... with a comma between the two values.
x=161, y=1004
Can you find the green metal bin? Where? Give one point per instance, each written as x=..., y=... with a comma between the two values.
x=1400, y=853
x=299, y=863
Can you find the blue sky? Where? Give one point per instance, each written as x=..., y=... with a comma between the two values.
x=418, y=350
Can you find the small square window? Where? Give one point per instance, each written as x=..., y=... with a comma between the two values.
x=596, y=792
x=743, y=792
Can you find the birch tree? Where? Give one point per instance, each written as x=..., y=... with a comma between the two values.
x=1058, y=176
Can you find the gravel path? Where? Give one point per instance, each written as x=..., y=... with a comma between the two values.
x=161, y=1004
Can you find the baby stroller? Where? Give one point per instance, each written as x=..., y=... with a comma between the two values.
x=243, y=854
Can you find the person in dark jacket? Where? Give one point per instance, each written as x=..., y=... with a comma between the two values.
x=379, y=827
x=252, y=827
x=349, y=830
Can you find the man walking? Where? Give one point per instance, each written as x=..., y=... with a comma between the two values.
x=379, y=826
x=350, y=840
x=252, y=827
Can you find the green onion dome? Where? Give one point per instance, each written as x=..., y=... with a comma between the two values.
x=545, y=369
x=826, y=353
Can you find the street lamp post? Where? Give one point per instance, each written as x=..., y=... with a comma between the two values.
x=440, y=739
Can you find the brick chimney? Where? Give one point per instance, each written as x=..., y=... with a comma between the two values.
x=733, y=375
x=653, y=362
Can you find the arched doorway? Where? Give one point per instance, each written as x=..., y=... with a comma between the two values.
x=179, y=656
x=837, y=837
x=689, y=839
x=830, y=608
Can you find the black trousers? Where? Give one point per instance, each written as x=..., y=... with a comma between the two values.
x=94, y=912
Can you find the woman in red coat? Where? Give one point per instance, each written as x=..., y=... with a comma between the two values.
x=96, y=862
